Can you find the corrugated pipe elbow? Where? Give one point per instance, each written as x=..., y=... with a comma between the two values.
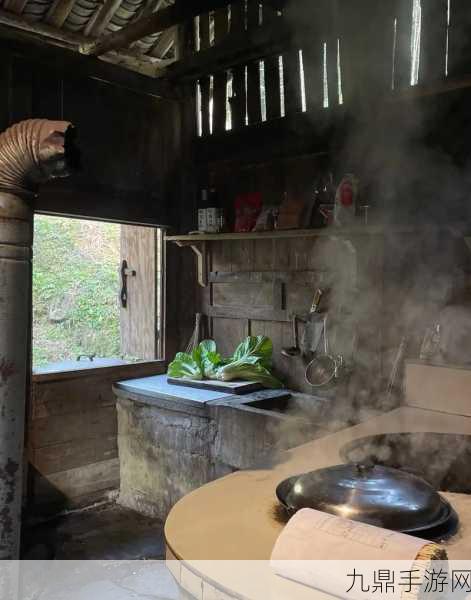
x=33, y=152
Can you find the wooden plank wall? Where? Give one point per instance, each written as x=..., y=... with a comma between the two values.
x=340, y=111
x=257, y=285
x=378, y=290
x=132, y=155
x=332, y=53
x=126, y=138
x=72, y=437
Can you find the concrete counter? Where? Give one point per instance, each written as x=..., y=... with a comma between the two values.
x=173, y=439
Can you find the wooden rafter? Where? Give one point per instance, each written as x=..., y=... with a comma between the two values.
x=146, y=65
x=57, y=37
x=236, y=48
x=148, y=8
x=164, y=43
x=175, y=14
x=58, y=12
x=61, y=57
x=104, y=16
x=15, y=6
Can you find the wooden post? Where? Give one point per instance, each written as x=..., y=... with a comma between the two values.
x=221, y=24
x=434, y=34
x=204, y=31
x=272, y=87
x=238, y=98
x=313, y=75
x=237, y=16
x=219, y=102
x=403, y=57
x=253, y=92
x=253, y=13
x=459, y=39
x=292, y=82
x=205, y=117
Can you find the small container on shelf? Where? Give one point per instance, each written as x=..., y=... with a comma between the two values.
x=347, y=201
x=211, y=217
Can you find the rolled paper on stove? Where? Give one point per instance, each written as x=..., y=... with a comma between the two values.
x=312, y=546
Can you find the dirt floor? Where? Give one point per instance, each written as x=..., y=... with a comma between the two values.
x=109, y=532
x=103, y=553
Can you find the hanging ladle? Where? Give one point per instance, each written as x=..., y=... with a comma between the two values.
x=294, y=350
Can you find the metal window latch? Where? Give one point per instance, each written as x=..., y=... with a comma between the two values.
x=89, y=356
x=125, y=273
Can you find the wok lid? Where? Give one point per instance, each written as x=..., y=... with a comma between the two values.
x=372, y=494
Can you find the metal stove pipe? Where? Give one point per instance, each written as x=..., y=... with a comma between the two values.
x=31, y=153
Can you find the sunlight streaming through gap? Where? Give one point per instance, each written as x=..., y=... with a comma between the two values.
x=302, y=82
x=282, y=86
x=448, y=21
x=326, y=82
x=197, y=34
x=211, y=96
x=415, y=40
x=246, y=80
x=199, y=116
x=394, y=51
x=263, y=95
x=229, y=92
x=339, y=72
x=212, y=29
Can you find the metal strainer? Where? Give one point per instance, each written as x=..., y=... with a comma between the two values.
x=323, y=369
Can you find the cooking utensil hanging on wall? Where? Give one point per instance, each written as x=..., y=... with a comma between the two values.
x=395, y=369
x=293, y=350
x=313, y=328
x=324, y=368
x=316, y=301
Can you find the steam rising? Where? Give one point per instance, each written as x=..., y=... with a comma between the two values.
x=413, y=161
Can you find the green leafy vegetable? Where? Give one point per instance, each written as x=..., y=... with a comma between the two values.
x=251, y=361
x=259, y=347
x=210, y=358
x=186, y=366
x=248, y=371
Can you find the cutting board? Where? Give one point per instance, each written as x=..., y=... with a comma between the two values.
x=230, y=387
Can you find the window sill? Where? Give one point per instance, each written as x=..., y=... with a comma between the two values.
x=120, y=371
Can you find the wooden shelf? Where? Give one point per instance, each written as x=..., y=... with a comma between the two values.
x=199, y=242
x=292, y=233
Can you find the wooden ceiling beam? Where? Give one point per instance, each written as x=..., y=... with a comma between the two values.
x=64, y=39
x=176, y=14
x=60, y=49
x=58, y=12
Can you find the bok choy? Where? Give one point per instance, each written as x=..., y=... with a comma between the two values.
x=251, y=361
